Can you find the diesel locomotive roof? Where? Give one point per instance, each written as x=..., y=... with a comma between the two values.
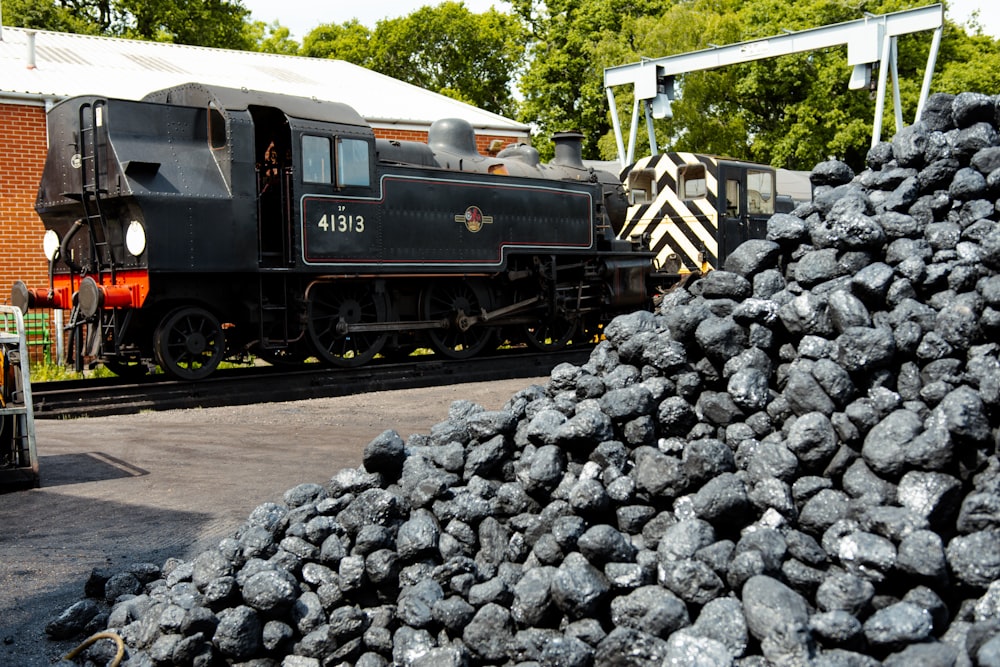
x=236, y=99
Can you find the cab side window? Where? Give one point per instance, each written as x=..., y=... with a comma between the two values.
x=353, y=163
x=317, y=163
x=692, y=181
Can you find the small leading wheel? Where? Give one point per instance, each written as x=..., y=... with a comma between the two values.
x=455, y=301
x=331, y=308
x=550, y=334
x=189, y=343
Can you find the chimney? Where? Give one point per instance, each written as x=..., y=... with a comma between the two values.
x=569, y=149
x=30, y=34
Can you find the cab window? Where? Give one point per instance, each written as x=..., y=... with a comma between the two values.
x=216, y=128
x=760, y=191
x=317, y=164
x=691, y=181
x=352, y=163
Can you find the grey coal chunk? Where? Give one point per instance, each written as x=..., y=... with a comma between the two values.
x=627, y=403
x=238, y=635
x=721, y=338
x=865, y=348
x=884, y=448
x=691, y=580
x=770, y=605
x=725, y=284
x=722, y=619
x=922, y=554
x=722, y=500
x=813, y=440
x=688, y=648
x=271, y=590
x=970, y=108
x=122, y=583
x=836, y=628
x=975, y=558
x=385, y=454
x=753, y=256
x=418, y=535
x=415, y=603
x=651, y=609
x=932, y=653
x=627, y=647
x=72, y=620
x=909, y=144
x=453, y=613
x=374, y=506
x=533, y=604
x=578, y=588
x=831, y=172
x=603, y=544
x=897, y=625
x=489, y=633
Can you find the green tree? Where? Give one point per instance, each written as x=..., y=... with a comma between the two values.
x=271, y=38
x=214, y=23
x=348, y=41
x=796, y=110
x=562, y=86
x=45, y=15
x=447, y=49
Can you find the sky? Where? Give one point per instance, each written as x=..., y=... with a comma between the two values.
x=301, y=16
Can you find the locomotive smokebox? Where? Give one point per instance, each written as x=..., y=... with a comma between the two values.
x=569, y=149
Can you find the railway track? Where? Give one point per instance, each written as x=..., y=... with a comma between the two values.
x=114, y=396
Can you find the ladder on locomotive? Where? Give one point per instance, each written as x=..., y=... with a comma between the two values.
x=93, y=149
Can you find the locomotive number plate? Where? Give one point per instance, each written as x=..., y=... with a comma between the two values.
x=342, y=222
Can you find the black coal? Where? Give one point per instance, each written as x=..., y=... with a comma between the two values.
x=794, y=461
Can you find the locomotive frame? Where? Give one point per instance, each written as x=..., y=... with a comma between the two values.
x=206, y=223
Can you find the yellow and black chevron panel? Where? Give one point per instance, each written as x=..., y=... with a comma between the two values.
x=695, y=208
x=675, y=200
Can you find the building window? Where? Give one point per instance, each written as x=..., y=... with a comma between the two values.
x=316, y=160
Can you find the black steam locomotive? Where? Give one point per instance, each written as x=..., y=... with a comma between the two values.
x=205, y=223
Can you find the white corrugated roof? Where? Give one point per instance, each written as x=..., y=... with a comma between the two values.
x=67, y=65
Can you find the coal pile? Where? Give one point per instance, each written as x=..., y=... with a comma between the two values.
x=793, y=462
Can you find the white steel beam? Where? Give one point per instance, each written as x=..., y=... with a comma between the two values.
x=869, y=40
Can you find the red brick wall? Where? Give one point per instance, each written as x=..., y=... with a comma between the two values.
x=22, y=156
x=483, y=141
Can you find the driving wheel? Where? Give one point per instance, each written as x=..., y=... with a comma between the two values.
x=189, y=343
x=331, y=308
x=455, y=301
x=550, y=334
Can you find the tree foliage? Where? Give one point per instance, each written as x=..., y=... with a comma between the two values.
x=796, y=110
x=213, y=23
x=447, y=49
x=563, y=84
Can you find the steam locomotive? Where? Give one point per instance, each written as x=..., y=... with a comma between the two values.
x=205, y=223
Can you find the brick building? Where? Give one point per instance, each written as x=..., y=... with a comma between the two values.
x=39, y=68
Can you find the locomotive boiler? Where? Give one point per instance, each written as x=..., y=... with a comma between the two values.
x=205, y=223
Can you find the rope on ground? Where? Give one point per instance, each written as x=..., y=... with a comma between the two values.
x=93, y=638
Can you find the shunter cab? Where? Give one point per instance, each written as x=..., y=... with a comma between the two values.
x=696, y=209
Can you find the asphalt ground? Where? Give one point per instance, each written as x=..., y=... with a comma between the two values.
x=154, y=485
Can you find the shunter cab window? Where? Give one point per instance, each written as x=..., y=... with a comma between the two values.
x=732, y=197
x=691, y=181
x=760, y=191
x=317, y=162
x=352, y=163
